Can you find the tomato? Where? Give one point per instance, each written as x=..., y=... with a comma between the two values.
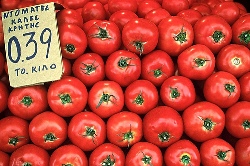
x=66, y=67
x=191, y=15
x=9, y=5
x=197, y=62
x=93, y=11
x=27, y=102
x=175, y=6
x=67, y=96
x=140, y=36
x=241, y=31
x=241, y=7
x=238, y=119
x=87, y=130
x=124, y=129
x=73, y=40
x=242, y=149
x=234, y=58
x=106, y=98
x=156, y=15
x=88, y=24
x=146, y=6
x=107, y=154
x=162, y=126
x=4, y=158
x=221, y=88
x=203, y=8
x=212, y=31
x=29, y=154
x=217, y=152
x=104, y=37
x=14, y=133
x=181, y=153
x=203, y=121
x=2, y=62
x=4, y=95
x=75, y=4
x=144, y=153
x=244, y=82
x=117, y=5
x=178, y=92
x=89, y=68
x=156, y=67
x=68, y=155
x=123, y=67
x=25, y=3
x=177, y=32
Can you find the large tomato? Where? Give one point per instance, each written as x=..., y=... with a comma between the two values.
x=145, y=6
x=93, y=10
x=4, y=158
x=156, y=15
x=190, y=15
x=175, y=6
x=69, y=16
x=117, y=5
x=244, y=81
x=4, y=95
x=242, y=149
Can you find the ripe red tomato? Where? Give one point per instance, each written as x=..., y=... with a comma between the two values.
x=66, y=67
x=178, y=92
x=93, y=10
x=123, y=67
x=25, y=3
x=162, y=126
x=27, y=102
x=203, y=121
x=203, y=8
x=144, y=153
x=14, y=133
x=244, y=82
x=217, y=152
x=75, y=4
x=107, y=154
x=117, y=5
x=68, y=155
x=9, y=5
x=69, y=16
x=29, y=154
x=146, y=6
x=222, y=88
x=242, y=149
x=89, y=68
x=191, y=15
x=106, y=98
x=124, y=129
x=4, y=95
x=140, y=36
x=156, y=15
x=2, y=62
x=177, y=33
x=4, y=158
x=175, y=6
x=183, y=152
x=87, y=130
x=197, y=62
x=67, y=96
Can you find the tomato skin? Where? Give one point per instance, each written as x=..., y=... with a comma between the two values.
x=4, y=158
x=73, y=4
x=87, y=130
x=244, y=82
x=182, y=152
x=2, y=61
x=9, y=5
x=4, y=95
x=116, y=5
x=156, y=15
x=203, y=121
x=106, y=98
x=68, y=154
x=211, y=149
x=29, y=154
x=107, y=153
x=69, y=16
x=14, y=133
x=146, y=6
x=123, y=67
x=144, y=153
x=27, y=102
x=124, y=129
x=175, y=6
x=66, y=67
x=93, y=11
x=203, y=8
x=222, y=88
x=241, y=151
x=162, y=126
x=190, y=15
x=67, y=96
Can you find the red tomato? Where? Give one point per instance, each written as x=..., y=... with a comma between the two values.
x=178, y=92
x=175, y=6
x=177, y=32
x=162, y=126
x=242, y=8
x=4, y=95
x=156, y=15
x=212, y=31
x=68, y=155
x=140, y=36
x=25, y=3
x=107, y=154
x=217, y=152
x=29, y=154
x=106, y=98
x=4, y=158
x=222, y=89
x=27, y=102
x=234, y=58
x=89, y=68
x=2, y=62
x=66, y=67
x=88, y=24
x=124, y=129
x=146, y=6
x=123, y=67
x=117, y=5
x=203, y=121
x=75, y=4
x=156, y=67
x=144, y=153
x=191, y=15
x=87, y=130
x=244, y=81
x=69, y=16
x=141, y=96
x=197, y=62
x=182, y=152
x=67, y=96
x=104, y=37
x=47, y=1
x=93, y=11
x=9, y=5
x=242, y=149
x=203, y=8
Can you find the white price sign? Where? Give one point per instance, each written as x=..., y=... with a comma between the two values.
x=32, y=45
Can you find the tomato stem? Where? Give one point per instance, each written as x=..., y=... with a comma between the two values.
x=89, y=68
x=105, y=98
x=230, y=88
x=139, y=99
x=127, y=136
x=221, y=155
x=236, y=61
x=164, y=136
x=181, y=36
x=108, y=161
x=174, y=93
x=68, y=164
x=185, y=159
x=13, y=141
x=123, y=62
x=139, y=45
x=65, y=98
x=200, y=62
x=50, y=137
x=246, y=124
x=70, y=48
x=102, y=34
x=217, y=36
x=26, y=164
x=245, y=37
x=147, y=160
x=208, y=124
x=27, y=101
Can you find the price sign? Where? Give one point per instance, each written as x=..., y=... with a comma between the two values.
x=32, y=45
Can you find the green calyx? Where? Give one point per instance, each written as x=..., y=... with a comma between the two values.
x=208, y=124
x=26, y=164
x=14, y=141
x=245, y=37
x=105, y=98
x=185, y=159
x=221, y=155
x=217, y=36
x=200, y=62
x=108, y=161
x=139, y=46
x=65, y=98
x=123, y=62
x=246, y=124
x=174, y=93
x=67, y=164
x=147, y=160
x=70, y=48
x=181, y=36
x=27, y=101
x=102, y=34
x=230, y=88
x=50, y=137
x=139, y=99
x=127, y=136
x=164, y=136
x=157, y=73
x=89, y=68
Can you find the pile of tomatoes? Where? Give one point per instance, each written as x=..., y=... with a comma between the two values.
x=145, y=82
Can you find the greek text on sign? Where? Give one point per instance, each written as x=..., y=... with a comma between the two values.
x=32, y=45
